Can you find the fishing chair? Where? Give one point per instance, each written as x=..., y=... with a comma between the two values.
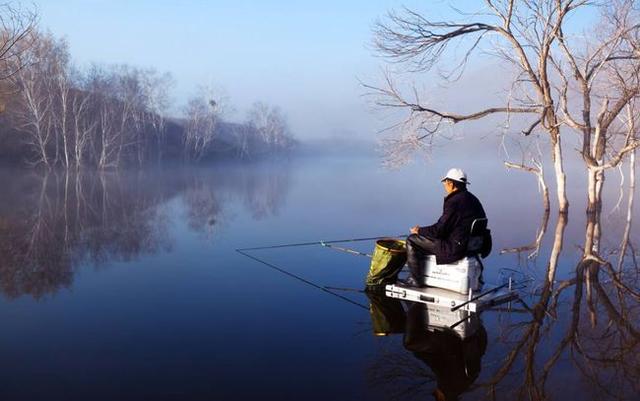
x=476, y=236
x=476, y=244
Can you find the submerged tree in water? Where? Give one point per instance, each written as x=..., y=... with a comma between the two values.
x=558, y=76
x=586, y=85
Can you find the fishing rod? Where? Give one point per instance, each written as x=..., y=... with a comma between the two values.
x=347, y=250
x=323, y=243
x=343, y=289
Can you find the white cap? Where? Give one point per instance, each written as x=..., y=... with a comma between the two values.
x=456, y=174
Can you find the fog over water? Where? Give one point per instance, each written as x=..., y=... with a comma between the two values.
x=172, y=171
x=127, y=285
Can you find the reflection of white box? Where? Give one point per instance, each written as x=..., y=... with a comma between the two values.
x=440, y=317
x=458, y=276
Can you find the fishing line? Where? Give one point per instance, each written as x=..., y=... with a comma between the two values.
x=242, y=252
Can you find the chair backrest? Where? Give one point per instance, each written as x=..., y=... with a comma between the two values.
x=476, y=236
x=478, y=226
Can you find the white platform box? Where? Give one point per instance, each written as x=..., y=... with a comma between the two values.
x=430, y=296
x=451, y=299
x=459, y=276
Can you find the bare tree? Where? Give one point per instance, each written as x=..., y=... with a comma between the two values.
x=41, y=108
x=39, y=95
x=537, y=170
x=155, y=103
x=271, y=126
x=556, y=74
x=82, y=127
x=35, y=117
x=16, y=25
x=107, y=140
x=61, y=113
x=203, y=114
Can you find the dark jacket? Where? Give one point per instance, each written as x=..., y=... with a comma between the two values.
x=452, y=229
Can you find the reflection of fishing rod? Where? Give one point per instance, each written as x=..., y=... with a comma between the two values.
x=509, y=284
x=455, y=308
x=323, y=243
x=312, y=284
x=525, y=309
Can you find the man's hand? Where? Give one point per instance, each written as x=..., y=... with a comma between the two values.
x=414, y=229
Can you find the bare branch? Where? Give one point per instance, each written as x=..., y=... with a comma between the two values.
x=529, y=130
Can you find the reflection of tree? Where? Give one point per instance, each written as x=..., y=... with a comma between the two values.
x=32, y=259
x=608, y=354
x=265, y=193
x=261, y=188
x=125, y=217
x=601, y=352
x=51, y=224
x=70, y=218
x=627, y=229
x=203, y=206
x=606, y=351
x=528, y=334
x=600, y=339
x=533, y=247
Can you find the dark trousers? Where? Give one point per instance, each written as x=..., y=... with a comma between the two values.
x=418, y=247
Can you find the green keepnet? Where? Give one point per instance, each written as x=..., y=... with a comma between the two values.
x=389, y=257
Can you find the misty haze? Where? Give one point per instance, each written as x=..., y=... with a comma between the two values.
x=196, y=198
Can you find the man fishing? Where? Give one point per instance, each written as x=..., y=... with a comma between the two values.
x=447, y=238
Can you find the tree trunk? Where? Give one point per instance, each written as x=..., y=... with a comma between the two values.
x=561, y=186
x=595, y=180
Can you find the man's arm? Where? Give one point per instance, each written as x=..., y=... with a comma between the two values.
x=438, y=229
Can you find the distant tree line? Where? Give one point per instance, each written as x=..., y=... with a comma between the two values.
x=56, y=115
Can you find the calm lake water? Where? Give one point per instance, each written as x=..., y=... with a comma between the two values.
x=128, y=286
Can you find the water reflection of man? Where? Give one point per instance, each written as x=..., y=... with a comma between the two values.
x=455, y=361
x=447, y=238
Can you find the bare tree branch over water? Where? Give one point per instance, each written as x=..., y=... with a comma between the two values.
x=555, y=73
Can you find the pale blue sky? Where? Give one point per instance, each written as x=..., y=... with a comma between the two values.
x=305, y=57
